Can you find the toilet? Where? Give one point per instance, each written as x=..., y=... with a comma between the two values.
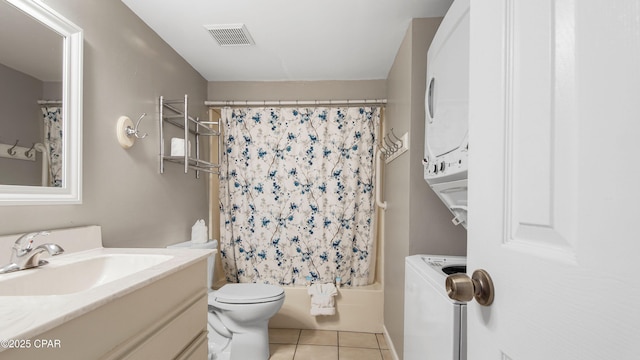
x=238, y=315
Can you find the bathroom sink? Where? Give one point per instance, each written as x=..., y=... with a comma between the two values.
x=76, y=274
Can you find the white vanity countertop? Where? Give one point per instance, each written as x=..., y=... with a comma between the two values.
x=23, y=317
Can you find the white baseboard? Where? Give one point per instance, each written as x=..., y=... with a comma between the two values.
x=392, y=348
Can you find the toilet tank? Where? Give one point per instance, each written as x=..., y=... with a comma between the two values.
x=211, y=261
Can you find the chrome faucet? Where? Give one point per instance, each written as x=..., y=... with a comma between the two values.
x=24, y=256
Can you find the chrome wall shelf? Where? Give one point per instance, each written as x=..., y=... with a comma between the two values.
x=176, y=113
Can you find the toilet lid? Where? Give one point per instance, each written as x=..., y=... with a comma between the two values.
x=248, y=293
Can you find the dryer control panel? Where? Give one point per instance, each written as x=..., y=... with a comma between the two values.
x=448, y=167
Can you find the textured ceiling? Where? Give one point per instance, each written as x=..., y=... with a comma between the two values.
x=295, y=40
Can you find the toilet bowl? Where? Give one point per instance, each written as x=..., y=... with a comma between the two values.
x=244, y=310
x=238, y=315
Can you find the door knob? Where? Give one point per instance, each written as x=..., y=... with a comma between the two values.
x=462, y=288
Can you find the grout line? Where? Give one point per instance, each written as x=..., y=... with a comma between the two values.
x=338, y=343
x=295, y=350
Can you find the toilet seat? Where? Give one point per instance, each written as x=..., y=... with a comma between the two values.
x=247, y=294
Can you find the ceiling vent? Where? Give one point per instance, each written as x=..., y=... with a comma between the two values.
x=230, y=34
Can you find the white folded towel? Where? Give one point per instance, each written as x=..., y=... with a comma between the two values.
x=322, y=299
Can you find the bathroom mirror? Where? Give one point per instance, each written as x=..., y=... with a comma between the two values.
x=40, y=51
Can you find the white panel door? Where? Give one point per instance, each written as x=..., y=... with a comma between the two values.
x=554, y=178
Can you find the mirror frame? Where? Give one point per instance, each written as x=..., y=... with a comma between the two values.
x=71, y=190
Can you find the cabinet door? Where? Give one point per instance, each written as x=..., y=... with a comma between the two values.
x=175, y=336
x=198, y=350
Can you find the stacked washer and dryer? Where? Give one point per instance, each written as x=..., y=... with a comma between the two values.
x=434, y=325
x=446, y=146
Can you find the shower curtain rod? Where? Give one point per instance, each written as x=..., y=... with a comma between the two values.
x=251, y=103
x=49, y=102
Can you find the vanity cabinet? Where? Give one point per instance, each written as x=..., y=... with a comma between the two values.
x=166, y=319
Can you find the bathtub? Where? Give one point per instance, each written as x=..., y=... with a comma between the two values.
x=357, y=309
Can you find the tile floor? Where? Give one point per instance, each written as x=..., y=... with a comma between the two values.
x=294, y=344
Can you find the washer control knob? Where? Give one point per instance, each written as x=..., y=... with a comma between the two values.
x=462, y=288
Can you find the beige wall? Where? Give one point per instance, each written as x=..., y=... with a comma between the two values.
x=126, y=68
x=21, y=120
x=416, y=222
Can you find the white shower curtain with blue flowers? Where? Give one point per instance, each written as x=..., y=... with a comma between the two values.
x=52, y=120
x=297, y=197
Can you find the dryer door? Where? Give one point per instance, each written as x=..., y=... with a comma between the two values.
x=447, y=97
